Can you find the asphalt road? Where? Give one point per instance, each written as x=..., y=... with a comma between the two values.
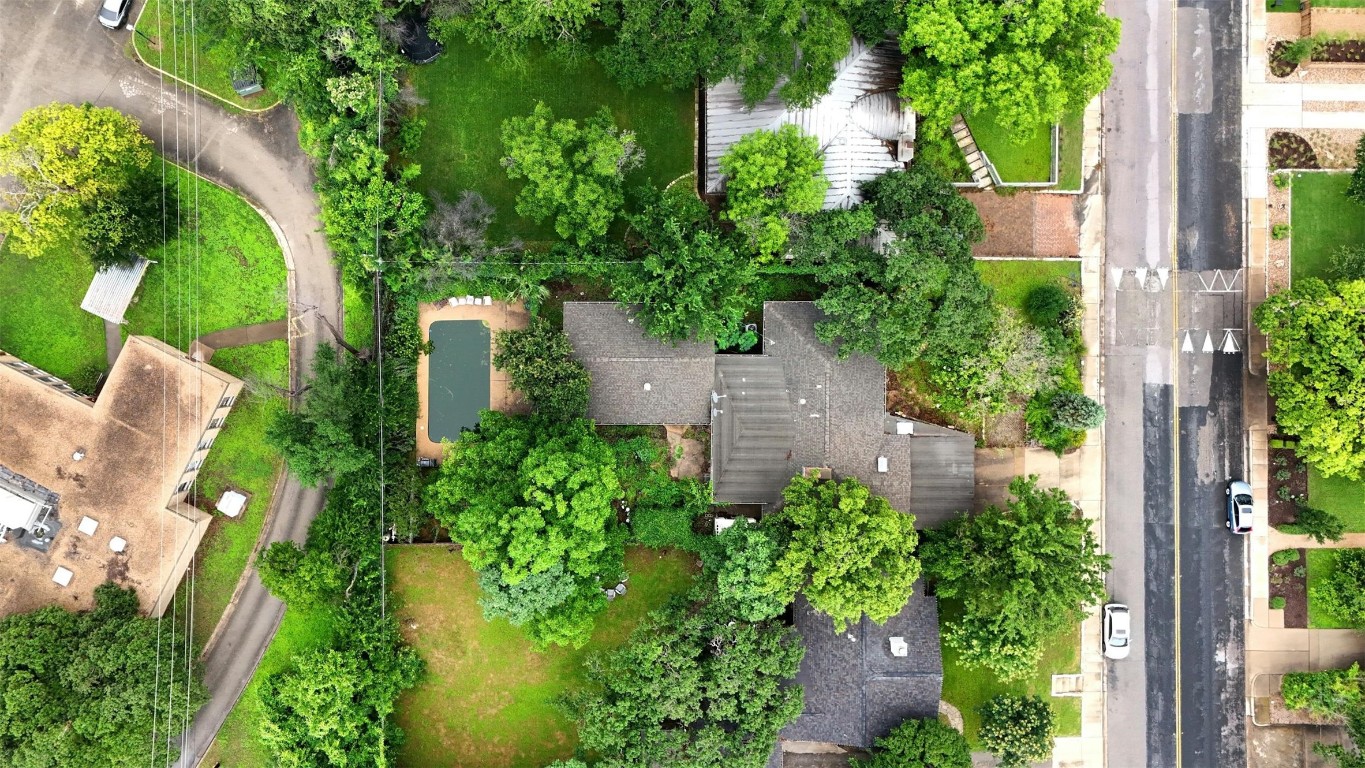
x=1173, y=378
x=54, y=50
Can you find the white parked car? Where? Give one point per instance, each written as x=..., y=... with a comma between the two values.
x=1117, y=631
x=113, y=13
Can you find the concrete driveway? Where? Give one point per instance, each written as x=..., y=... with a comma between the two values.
x=55, y=50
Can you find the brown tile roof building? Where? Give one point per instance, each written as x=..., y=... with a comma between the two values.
x=125, y=461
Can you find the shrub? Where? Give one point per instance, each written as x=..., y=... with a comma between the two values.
x=1283, y=180
x=667, y=522
x=1283, y=475
x=1043, y=426
x=540, y=363
x=1322, y=525
x=1279, y=231
x=1356, y=189
x=1049, y=305
x=1073, y=410
x=1300, y=571
x=1342, y=593
x=1017, y=729
x=1284, y=493
x=1299, y=51
x=922, y=744
x=1277, y=603
x=1325, y=693
x=1285, y=557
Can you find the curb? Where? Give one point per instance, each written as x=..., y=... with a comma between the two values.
x=138, y=55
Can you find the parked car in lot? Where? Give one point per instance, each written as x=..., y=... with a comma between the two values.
x=1239, y=507
x=1117, y=631
x=114, y=12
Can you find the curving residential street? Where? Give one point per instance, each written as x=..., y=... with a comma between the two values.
x=54, y=50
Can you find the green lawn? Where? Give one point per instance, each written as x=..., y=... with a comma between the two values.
x=41, y=320
x=1287, y=6
x=1339, y=3
x=238, y=744
x=1322, y=218
x=967, y=688
x=239, y=461
x=202, y=59
x=1072, y=140
x=357, y=314
x=488, y=699
x=1012, y=280
x=1321, y=563
x=1339, y=495
x=1030, y=161
x=469, y=96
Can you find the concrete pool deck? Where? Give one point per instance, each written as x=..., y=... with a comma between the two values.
x=501, y=397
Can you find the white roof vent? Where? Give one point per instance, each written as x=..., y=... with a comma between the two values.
x=232, y=503
x=899, y=647
x=883, y=465
x=905, y=427
x=78, y=455
x=118, y=544
x=647, y=386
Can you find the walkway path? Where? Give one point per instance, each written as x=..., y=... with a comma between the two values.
x=113, y=341
x=243, y=335
x=55, y=50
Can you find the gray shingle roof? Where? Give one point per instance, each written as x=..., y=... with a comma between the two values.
x=836, y=418
x=112, y=290
x=858, y=124
x=855, y=690
x=622, y=360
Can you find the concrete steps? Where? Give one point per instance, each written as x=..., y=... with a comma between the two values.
x=976, y=160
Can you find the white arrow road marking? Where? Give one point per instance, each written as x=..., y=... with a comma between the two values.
x=1116, y=273
x=1208, y=341
x=1141, y=273
x=1187, y=345
x=1164, y=274
x=1230, y=343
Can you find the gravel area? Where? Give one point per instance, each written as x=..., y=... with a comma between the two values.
x=1277, y=251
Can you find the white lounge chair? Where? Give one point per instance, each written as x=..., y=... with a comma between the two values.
x=488, y=300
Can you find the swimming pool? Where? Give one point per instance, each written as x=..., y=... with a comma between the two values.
x=457, y=377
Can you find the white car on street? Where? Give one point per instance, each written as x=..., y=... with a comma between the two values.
x=1117, y=629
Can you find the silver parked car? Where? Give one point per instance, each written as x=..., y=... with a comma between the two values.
x=1239, y=507
x=114, y=12
x=1117, y=631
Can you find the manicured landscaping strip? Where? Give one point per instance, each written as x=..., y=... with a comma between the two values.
x=41, y=320
x=238, y=744
x=1321, y=564
x=1072, y=140
x=488, y=699
x=1016, y=162
x=967, y=688
x=1322, y=219
x=469, y=96
x=164, y=41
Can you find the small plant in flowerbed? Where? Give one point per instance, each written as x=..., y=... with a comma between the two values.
x=1289, y=586
x=1288, y=482
x=1290, y=150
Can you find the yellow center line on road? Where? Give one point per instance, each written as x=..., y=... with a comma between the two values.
x=1175, y=359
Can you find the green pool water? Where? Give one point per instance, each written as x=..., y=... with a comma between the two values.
x=457, y=384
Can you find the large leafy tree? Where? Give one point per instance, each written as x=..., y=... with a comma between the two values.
x=64, y=160
x=920, y=297
x=117, y=229
x=922, y=744
x=770, y=177
x=1316, y=354
x=1020, y=574
x=743, y=562
x=692, y=687
x=759, y=43
x=320, y=439
x=79, y=688
x=540, y=363
x=689, y=283
x=1342, y=592
x=507, y=26
x=1019, y=730
x=845, y=549
x=525, y=497
x=1029, y=62
x=573, y=172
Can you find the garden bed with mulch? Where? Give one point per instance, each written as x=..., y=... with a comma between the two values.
x=1288, y=150
x=1324, y=52
x=1288, y=484
x=1290, y=581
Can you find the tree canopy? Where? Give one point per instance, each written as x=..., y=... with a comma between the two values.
x=319, y=440
x=540, y=363
x=691, y=687
x=919, y=299
x=689, y=283
x=744, y=560
x=524, y=496
x=67, y=161
x=845, y=549
x=573, y=173
x=1316, y=354
x=1028, y=62
x=1020, y=574
x=771, y=176
x=79, y=688
x=922, y=744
